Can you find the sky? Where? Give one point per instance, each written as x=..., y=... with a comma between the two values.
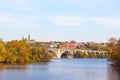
x=60, y=20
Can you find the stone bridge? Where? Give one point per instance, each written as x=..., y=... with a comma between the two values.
x=69, y=52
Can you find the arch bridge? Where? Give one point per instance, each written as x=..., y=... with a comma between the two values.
x=59, y=53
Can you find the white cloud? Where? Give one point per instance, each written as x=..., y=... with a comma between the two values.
x=17, y=21
x=108, y=22
x=68, y=20
x=78, y=21
x=31, y=21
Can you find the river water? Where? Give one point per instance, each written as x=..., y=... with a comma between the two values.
x=62, y=69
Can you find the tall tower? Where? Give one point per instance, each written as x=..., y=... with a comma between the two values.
x=29, y=36
x=1, y=39
x=23, y=38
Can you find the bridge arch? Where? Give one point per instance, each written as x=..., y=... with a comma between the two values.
x=66, y=54
x=69, y=53
x=52, y=53
x=77, y=54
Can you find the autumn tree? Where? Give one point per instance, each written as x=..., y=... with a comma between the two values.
x=114, y=49
x=17, y=52
x=80, y=54
x=101, y=48
x=40, y=54
x=2, y=52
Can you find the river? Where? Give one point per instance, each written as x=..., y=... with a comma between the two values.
x=62, y=69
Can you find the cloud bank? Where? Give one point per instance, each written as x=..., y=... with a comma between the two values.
x=68, y=20
x=108, y=22
x=78, y=21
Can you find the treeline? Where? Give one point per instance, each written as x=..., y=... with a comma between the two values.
x=80, y=54
x=92, y=46
x=114, y=49
x=19, y=52
x=96, y=46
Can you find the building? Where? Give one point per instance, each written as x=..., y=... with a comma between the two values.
x=1, y=39
x=29, y=40
x=82, y=45
x=53, y=44
x=68, y=45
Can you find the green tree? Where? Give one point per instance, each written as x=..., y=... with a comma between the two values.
x=92, y=55
x=80, y=54
x=101, y=48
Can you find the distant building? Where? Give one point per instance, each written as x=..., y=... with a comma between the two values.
x=29, y=40
x=1, y=39
x=81, y=45
x=53, y=45
x=68, y=45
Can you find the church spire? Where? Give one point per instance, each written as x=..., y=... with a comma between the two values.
x=29, y=36
x=22, y=37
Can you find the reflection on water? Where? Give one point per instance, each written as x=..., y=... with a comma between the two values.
x=62, y=69
x=12, y=67
x=114, y=73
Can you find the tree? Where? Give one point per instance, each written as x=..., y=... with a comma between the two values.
x=101, y=48
x=17, y=52
x=92, y=55
x=92, y=46
x=2, y=52
x=113, y=48
x=111, y=45
x=79, y=54
x=40, y=54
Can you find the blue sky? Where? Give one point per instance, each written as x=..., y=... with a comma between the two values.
x=60, y=20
